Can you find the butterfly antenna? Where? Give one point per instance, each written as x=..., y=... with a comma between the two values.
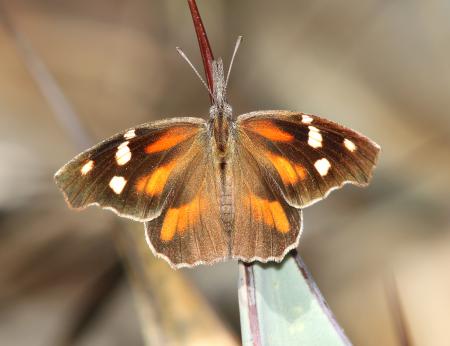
x=236, y=47
x=184, y=56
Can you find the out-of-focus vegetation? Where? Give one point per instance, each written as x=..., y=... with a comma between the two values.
x=378, y=67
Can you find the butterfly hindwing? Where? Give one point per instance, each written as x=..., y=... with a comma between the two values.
x=305, y=155
x=190, y=230
x=133, y=172
x=265, y=226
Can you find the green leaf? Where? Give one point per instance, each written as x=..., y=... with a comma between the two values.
x=280, y=304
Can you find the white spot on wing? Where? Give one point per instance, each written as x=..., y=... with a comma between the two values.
x=349, y=145
x=306, y=119
x=117, y=184
x=129, y=134
x=123, y=153
x=322, y=166
x=87, y=167
x=314, y=137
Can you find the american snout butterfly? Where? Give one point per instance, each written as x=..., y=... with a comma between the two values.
x=221, y=188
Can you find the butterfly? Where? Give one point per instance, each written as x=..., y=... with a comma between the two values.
x=210, y=190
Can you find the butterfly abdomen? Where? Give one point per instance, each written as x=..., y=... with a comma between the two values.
x=226, y=199
x=220, y=127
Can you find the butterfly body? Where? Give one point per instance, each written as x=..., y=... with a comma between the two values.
x=221, y=188
x=221, y=128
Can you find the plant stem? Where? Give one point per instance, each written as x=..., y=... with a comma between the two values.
x=203, y=43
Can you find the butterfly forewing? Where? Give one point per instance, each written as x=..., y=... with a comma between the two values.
x=133, y=172
x=305, y=155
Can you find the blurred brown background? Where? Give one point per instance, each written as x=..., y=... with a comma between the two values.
x=381, y=256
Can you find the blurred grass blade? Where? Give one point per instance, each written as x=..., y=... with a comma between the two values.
x=53, y=94
x=280, y=304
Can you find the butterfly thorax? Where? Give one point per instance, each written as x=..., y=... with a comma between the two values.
x=220, y=127
x=220, y=113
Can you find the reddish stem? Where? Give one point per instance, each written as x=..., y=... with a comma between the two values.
x=203, y=43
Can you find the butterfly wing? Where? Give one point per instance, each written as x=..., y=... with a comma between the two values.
x=265, y=226
x=284, y=161
x=133, y=173
x=190, y=230
x=306, y=156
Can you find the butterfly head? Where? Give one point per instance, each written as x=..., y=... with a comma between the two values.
x=220, y=105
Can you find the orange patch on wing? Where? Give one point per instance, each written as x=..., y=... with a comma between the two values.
x=183, y=219
x=256, y=210
x=271, y=213
x=189, y=214
x=153, y=184
x=169, y=226
x=279, y=216
x=267, y=213
x=177, y=220
x=170, y=139
x=269, y=130
x=290, y=173
x=301, y=171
